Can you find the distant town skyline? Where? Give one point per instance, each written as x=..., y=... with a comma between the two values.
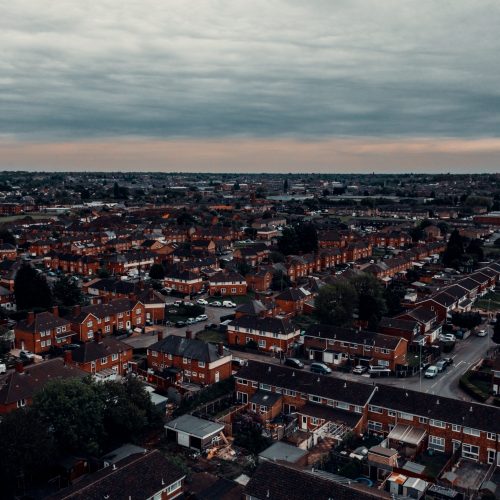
x=262, y=86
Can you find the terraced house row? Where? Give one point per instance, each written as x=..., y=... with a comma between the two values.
x=411, y=421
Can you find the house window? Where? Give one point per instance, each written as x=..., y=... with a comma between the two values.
x=375, y=409
x=104, y=361
x=201, y=364
x=202, y=375
x=222, y=290
x=437, y=423
x=169, y=357
x=330, y=402
x=194, y=374
x=21, y=403
x=315, y=399
x=154, y=354
x=255, y=384
x=185, y=361
x=89, y=324
x=471, y=432
x=423, y=420
x=262, y=343
x=106, y=318
x=90, y=334
x=491, y=435
x=63, y=328
x=374, y=426
x=138, y=311
x=456, y=428
x=187, y=373
x=240, y=380
x=436, y=443
x=265, y=387
x=342, y=406
x=391, y=413
x=49, y=342
x=491, y=455
x=107, y=328
x=114, y=357
x=233, y=290
x=42, y=343
x=120, y=315
x=470, y=451
x=358, y=409
x=405, y=416
x=315, y=420
x=58, y=329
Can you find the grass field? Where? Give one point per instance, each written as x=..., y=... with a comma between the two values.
x=211, y=336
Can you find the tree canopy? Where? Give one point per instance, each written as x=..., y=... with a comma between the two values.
x=335, y=304
x=31, y=289
x=156, y=272
x=66, y=292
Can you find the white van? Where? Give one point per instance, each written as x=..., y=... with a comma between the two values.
x=228, y=303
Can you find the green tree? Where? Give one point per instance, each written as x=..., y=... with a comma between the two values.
x=74, y=412
x=156, y=272
x=475, y=250
x=31, y=289
x=280, y=281
x=371, y=301
x=66, y=292
x=7, y=237
x=454, y=250
x=26, y=449
x=103, y=273
x=335, y=304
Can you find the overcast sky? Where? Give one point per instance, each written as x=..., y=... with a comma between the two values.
x=318, y=85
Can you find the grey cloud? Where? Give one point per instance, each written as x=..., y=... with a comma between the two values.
x=79, y=70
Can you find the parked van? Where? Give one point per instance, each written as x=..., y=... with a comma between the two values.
x=228, y=303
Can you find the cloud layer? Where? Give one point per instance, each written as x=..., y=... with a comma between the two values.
x=73, y=70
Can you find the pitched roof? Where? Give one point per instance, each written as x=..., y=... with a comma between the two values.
x=279, y=482
x=137, y=477
x=355, y=393
x=273, y=325
x=42, y=321
x=187, y=348
x=91, y=351
x=407, y=325
x=16, y=386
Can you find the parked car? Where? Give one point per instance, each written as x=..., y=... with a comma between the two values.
x=294, y=363
x=216, y=303
x=202, y=302
x=71, y=347
x=228, y=303
x=360, y=369
x=449, y=361
x=201, y=317
x=180, y=324
x=431, y=372
x=447, y=337
x=26, y=355
x=320, y=368
x=481, y=333
x=3, y=368
x=190, y=321
x=441, y=365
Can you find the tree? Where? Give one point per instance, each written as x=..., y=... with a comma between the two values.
x=371, y=301
x=31, y=289
x=335, y=304
x=280, y=281
x=468, y=320
x=67, y=292
x=475, y=250
x=7, y=237
x=74, y=412
x=454, y=250
x=156, y=272
x=26, y=449
x=103, y=273
x=120, y=192
x=285, y=186
x=302, y=237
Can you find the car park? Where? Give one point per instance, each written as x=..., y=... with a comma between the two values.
x=360, y=369
x=431, y=372
x=294, y=363
x=320, y=368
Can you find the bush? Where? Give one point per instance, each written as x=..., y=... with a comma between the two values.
x=472, y=390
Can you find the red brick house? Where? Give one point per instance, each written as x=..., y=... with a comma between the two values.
x=40, y=332
x=18, y=387
x=118, y=314
x=334, y=346
x=200, y=362
x=187, y=282
x=259, y=280
x=291, y=301
x=227, y=283
x=270, y=334
x=104, y=355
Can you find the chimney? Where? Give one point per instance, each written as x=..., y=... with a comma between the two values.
x=68, y=358
x=19, y=366
x=31, y=317
x=55, y=311
x=160, y=334
x=98, y=337
x=77, y=310
x=220, y=349
x=189, y=334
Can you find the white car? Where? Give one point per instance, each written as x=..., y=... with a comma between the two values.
x=447, y=337
x=202, y=302
x=201, y=317
x=482, y=333
x=215, y=303
x=26, y=355
x=431, y=372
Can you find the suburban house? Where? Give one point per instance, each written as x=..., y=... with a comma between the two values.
x=292, y=300
x=18, y=387
x=271, y=334
x=140, y=476
x=335, y=346
x=105, y=357
x=200, y=362
x=40, y=332
x=185, y=281
x=227, y=283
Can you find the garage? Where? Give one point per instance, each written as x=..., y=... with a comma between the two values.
x=193, y=432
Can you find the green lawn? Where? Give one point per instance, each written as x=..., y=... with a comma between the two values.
x=211, y=336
